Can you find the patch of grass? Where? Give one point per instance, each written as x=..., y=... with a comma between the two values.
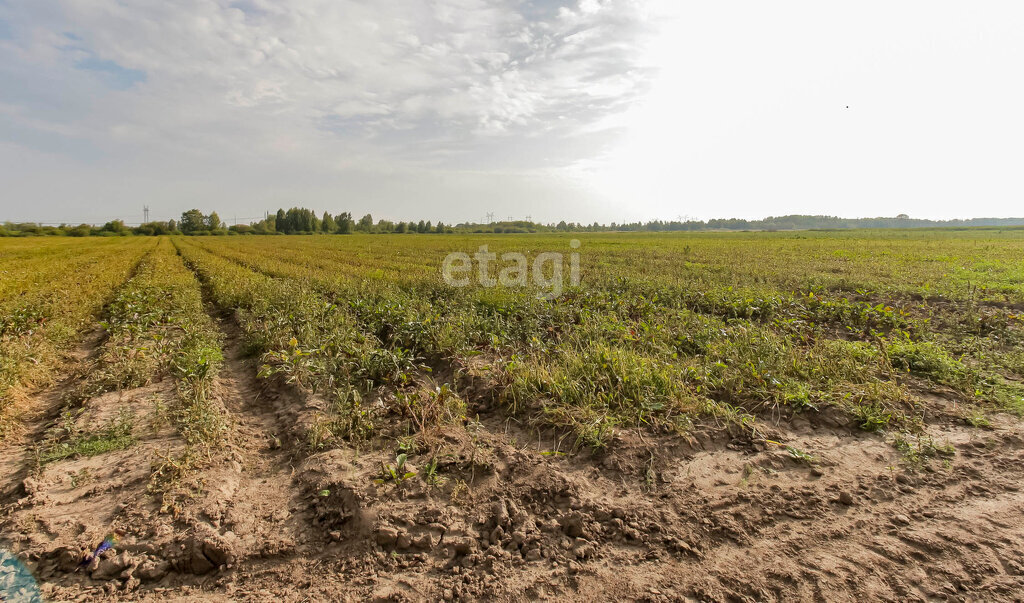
x=977, y=418
x=927, y=359
x=919, y=450
x=116, y=435
x=872, y=417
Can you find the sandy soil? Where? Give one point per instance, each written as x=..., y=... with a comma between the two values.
x=720, y=515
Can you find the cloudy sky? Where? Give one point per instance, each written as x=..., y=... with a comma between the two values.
x=585, y=110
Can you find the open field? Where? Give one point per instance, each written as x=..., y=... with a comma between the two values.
x=801, y=415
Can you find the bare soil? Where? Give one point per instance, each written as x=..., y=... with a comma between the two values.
x=719, y=515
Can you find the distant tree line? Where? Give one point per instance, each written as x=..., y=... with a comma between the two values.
x=194, y=223
x=791, y=222
x=114, y=228
x=306, y=221
x=299, y=220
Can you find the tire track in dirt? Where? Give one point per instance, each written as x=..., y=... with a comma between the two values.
x=251, y=505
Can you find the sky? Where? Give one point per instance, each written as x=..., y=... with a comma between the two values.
x=582, y=110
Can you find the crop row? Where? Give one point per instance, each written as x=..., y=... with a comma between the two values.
x=654, y=340
x=52, y=309
x=156, y=327
x=598, y=358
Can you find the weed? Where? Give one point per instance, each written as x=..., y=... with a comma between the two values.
x=917, y=451
x=460, y=491
x=394, y=473
x=82, y=477
x=116, y=435
x=430, y=472
x=650, y=474
x=346, y=419
x=978, y=419
x=167, y=475
x=801, y=456
x=872, y=417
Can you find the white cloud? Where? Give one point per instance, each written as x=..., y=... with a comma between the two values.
x=255, y=74
x=582, y=109
x=313, y=89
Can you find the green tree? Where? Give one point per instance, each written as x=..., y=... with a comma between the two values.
x=213, y=221
x=345, y=223
x=327, y=224
x=116, y=226
x=365, y=223
x=192, y=222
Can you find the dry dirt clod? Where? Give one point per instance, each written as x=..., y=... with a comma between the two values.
x=845, y=498
x=114, y=566
x=387, y=536
x=152, y=571
x=403, y=542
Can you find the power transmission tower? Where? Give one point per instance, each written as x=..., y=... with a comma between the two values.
x=529, y=218
x=490, y=217
x=145, y=212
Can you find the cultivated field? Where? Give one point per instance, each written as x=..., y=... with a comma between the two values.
x=746, y=416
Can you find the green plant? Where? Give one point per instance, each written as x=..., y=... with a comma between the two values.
x=872, y=417
x=801, y=455
x=116, y=435
x=978, y=419
x=650, y=474
x=430, y=472
x=394, y=473
x=918, y=450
